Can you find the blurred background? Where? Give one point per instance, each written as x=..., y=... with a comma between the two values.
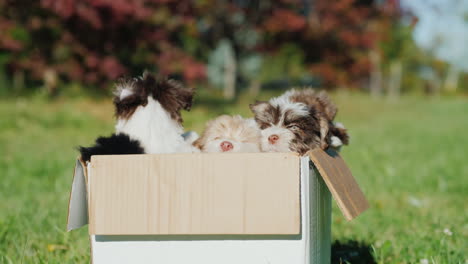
x=397, y=69
x=383, y=47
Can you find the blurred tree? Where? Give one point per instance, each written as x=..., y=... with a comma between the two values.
x=92, y=41
x=95, y=41
x=221, y=70
x=442, y=27
x=394, y=41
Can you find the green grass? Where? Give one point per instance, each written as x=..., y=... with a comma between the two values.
x=408, y=156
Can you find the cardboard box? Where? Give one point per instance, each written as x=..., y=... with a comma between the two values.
x=211, y=208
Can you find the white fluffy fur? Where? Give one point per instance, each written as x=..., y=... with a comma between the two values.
x=125, y=93
x=123, y=90
x=335, y=141
x=339, y=125
x=190, y=136
x=282, y=145
x=283, y=101
x=154, y=128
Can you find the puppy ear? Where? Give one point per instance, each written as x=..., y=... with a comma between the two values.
x=127, y=97
x=185, y=95
x=198, y=143
x=124, y=87
x=259, y=107
x=329, y=108
x=173, y=97
x=324, y=127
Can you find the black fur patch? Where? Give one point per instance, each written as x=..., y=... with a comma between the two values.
x=116, y=144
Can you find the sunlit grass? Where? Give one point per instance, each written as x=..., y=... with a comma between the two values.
x=409, y=157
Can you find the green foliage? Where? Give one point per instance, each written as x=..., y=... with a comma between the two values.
x=409, y=157
x=287, y=63
x=20, y=34
x=250, y=67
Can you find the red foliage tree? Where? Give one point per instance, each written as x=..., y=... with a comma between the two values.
x=94, y=41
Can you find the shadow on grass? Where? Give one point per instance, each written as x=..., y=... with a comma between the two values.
x=354, y=252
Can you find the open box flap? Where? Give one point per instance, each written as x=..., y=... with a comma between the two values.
x=340, y=182
x=78, y=204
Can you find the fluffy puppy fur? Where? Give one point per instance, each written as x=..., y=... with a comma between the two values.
x=330, y=132
x=229, y=134
x=298, y=121
x=148, y=118
x=115, y=144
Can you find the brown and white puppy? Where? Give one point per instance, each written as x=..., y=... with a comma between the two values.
x=298, y=121
x=148, y=118
x=229, y=134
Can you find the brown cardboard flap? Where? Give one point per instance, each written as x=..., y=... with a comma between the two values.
x=340, y=182
x=174, y=194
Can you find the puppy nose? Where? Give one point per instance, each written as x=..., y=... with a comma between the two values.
x=273, y=138
x=226, y=146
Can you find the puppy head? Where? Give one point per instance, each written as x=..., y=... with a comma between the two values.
x=229, y=134
x=173, y=97
x=287, y=126
x=320, y=101
x=133, y=93
x=326, y=110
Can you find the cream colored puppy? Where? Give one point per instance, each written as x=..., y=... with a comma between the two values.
x=229, y=134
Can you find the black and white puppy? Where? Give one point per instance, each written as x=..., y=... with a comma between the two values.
x=148, y=119
x=298, y=121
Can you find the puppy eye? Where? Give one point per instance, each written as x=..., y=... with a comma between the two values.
x=265, y=125
x=293, y=127
x=217, y=138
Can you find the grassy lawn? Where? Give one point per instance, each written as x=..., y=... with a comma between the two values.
x=408, y=156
